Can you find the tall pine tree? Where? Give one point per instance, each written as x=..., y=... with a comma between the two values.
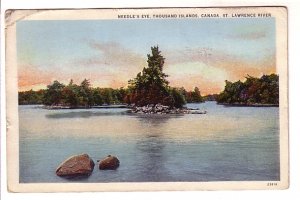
x=151, y=86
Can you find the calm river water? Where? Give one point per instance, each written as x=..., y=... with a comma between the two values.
x=226, y=144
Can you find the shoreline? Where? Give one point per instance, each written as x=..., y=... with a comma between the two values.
x=148, y=109
x=247, y=105
x=84, y=107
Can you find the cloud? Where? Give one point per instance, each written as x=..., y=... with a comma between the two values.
x=31, y=76
x=112, y=66
x=113, y=55
x=239, y=67
x=195, y=74
x=201, y=54
x=206, y=86
x=248, y=35
x=208, y=68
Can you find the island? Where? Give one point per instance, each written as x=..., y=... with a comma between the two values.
x=256, y=92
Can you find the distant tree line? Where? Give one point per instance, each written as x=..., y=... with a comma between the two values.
x=210, y=97
x=73, y=95
x=31, y=97
x=264, y=90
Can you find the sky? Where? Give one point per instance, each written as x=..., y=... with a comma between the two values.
x=199, y=53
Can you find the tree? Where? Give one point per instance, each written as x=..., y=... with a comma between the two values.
x=178, y=97
x=151, y=86
x=98, y=98
x=85, y=93
x=196, y=95
x=71, y=94
x=53, y=94
x=107, y=95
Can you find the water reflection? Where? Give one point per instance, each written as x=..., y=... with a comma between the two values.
x=151, y=146
x=84, y=114
x=156, y=120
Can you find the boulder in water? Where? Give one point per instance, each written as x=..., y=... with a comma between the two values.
x=76, y=166
x=110, y=162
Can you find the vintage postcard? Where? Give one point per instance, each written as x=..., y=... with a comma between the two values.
x=147, y=99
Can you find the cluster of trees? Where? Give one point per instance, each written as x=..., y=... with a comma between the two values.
x=150, y=86
x=192, y=96
x=264, y=90
x=81, y=95
x=31, y=97
x=73, y=95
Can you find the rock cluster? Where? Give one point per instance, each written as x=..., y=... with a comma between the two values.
x=151, y=109
x=82, y=166
x=161, y=109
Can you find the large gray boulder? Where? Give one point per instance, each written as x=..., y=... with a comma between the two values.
x=110, y=162
x=76, y=166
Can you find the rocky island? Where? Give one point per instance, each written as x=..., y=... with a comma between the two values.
x=161, y=109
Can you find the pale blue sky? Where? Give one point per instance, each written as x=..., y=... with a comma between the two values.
x=73, y=45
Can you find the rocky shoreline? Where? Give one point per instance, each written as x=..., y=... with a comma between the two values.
x=161, y=109
x=148, y=109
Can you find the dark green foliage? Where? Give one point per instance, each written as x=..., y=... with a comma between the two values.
x=196, y=96
x=192, y=96
x=85, y=94
x=98, y=98
x=53, y=94
x=151, y=86
x=264, y=90
x=107, y=95
x=73, y=95
x=31, y=97
x=178, y=97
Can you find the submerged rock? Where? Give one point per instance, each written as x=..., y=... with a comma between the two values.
x=76, y=166
x=110, y=162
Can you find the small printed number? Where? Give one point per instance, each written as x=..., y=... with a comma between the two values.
x=272, y=184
